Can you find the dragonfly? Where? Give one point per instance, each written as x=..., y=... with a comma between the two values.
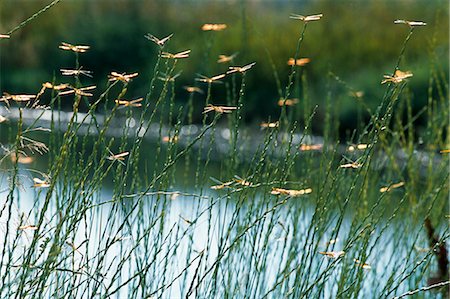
x=391, y=187
x=270, y=125
x=29, y=227
x=114, y=76
x=74, y=48
x=183, y=54
x=218, y=109
x=311, y=147
x=362, y=265
x=214, y=79
x=22, y=159
x=118, y=157
x=132, y=103
x=287, y=102
x=225, y=58
x=48, y=85
x=290, y=192
x=306, y=18
x=410, y=23
x=298, y=62
x=214, y=27
x=69, y=72
x=79, y=91
x=361, y=146
x=240, y=69
x=38, y=183
x=192, y=89
x=16, y=98
x=159, y=42
x=398, y=77
x=167, y=78
x=332, y=254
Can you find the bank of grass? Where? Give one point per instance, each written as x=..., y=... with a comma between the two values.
x=288, y=221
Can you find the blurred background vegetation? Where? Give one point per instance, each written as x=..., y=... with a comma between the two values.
x=356, y=40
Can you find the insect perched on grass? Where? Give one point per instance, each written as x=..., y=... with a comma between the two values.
x=16, y=98
x=118, y=157
x=38, y=183
x=361, y=146
x=398, y=77
x=21, y=158
x=5, y=36
x=48, y=85
x=74, y=48
x=298, y=62
x=222, y=186
x=306, y=18
x=218, y=109
x=183, y=54
x=69, y=72
x=332, y=254
x=354, y=165
x=192, y=89
x=79, y=91
x=159, y=42
x=169, y=78
x=356, y=94
x=240, y=69
x=170, y=139
x=214, y=79
x=132, y=103
x=410, y=23
x=391, y=187
x=362, y=265
x=270, y=125
x=28, y=227
x=311, y=147
x=287, y=102
x=290, y=192
x=214, y=27
x=225, y=58
x=114, y=76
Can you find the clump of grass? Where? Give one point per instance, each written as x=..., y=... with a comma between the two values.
x=113, y=215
